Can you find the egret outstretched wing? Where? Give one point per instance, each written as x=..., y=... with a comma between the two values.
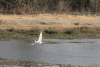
x=40, y=37
x=39, y=40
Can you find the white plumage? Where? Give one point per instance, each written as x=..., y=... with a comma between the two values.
x=39, y=40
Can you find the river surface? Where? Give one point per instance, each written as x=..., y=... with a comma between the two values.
x=85, y=53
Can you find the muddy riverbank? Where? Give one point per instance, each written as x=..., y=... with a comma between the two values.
x=24, y=63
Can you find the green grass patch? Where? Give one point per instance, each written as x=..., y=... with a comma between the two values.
x=78, y=42
x=75, y=33
x=50, y=42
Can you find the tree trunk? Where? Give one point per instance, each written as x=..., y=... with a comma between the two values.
x=96, y=7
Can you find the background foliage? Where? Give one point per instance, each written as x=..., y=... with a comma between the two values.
x=35, y=6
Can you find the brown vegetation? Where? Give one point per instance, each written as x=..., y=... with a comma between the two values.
x=46, y=6
x=45, y=21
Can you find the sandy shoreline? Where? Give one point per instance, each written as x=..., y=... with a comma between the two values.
x=45, y=21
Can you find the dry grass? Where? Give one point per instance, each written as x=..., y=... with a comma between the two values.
x=59, y=21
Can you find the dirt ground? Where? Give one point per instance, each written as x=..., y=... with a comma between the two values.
x=45, y=21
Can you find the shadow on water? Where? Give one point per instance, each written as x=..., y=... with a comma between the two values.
x=82, y=52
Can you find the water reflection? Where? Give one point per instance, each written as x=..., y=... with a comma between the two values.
x=64, y=52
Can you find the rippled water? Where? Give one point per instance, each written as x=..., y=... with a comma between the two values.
x=64, y=52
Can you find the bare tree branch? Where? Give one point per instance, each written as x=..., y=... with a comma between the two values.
x=6, y=2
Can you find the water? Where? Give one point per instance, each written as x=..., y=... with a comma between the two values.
x=64, y=52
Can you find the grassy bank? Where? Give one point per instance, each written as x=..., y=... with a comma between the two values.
x=24, y=63
x=73, y=33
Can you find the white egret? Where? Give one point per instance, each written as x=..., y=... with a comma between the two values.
x=39, y=40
